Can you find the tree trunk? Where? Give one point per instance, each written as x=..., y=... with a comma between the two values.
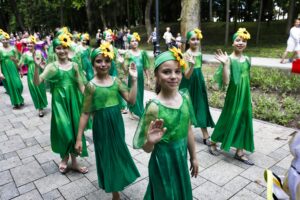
x=15, y=9
x=236, y=13
x=101, y=10
x=190, y=12
x=290, y=16
x=259, y=22
x=61, y=9
x=88, y=8
x=147, y=17
x=227, y=21
x=210, y=11
x=128, y=14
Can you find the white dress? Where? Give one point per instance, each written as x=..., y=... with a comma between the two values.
x=293, y=43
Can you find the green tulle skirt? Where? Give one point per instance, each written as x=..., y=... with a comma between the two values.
x=138, y=107
x=115, y=166
x=66, y=106
x=12, y=82
x=38, y=93
x=198, y=94
x=169, y=176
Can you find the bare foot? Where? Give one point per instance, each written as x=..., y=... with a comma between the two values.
x=63, y=166
x=82, y=170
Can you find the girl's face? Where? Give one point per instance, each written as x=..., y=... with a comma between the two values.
x=134, y=43
x=169, y=75
x=5, y=42
x=108, y=38
x=102, y=64
x=61, y=52
x=30, y=45
x=239, y=44
x=194, y=42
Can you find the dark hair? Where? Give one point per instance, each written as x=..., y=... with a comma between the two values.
x=157, y=86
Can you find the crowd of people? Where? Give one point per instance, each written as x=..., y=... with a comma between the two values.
x=87, y=93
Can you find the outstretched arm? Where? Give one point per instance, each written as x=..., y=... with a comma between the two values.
x=224, y=59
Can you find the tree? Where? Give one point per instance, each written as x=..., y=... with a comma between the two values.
x=147, y=17
x=190, y=12
x=259, y=22
x=227, y=21
x=290, y=15
x=15, y=9
x=88, y=6
x=210, y=11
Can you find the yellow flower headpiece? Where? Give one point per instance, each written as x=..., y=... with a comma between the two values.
x=179, y=57
x=107, y=50
x=1, y=31
x=243, y=33
x=85, y=36
x=65, y=40
x=198, y=33
x=5, y=35
x=136, y=36
x=32, y=39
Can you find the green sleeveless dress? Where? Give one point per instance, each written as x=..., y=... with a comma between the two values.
x=38, y=93
x=234, y=127
x=169, y=176
x=12, y=82
x=115, y=166
x=197, y=89
x=66, y=107
x=142, y=63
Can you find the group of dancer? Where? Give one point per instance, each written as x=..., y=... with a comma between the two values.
x=87, y=93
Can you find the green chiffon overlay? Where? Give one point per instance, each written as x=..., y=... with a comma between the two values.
x=115, y=166
x=142, y=63
x=86, y=64
x=113, y=69
x=51, y=55
x=12, y=82
x=38, y=93
x=197, y=89
x=66, y=108
x=168, y=169
x=234, y=127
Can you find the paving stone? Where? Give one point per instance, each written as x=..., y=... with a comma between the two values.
x=49, y=167
x=197, y=181
x=16, y=131
x=19, y=118
x=3, y=138
x=236, y=184
x=29, y=151
x=143, y=158
x=46, y=157
x=54, y=194
x=13, y=144
x=5, y=177
x=51, y=182
x=246, y=195
x=142, y=170
x=32, y=195
x=28, y=160
x=26, y=188
x=104, y=196
x=32, y=132
x=210, y=191
x=286, y=162
x=10, y=155
x=34, y=121
x=72, y=175
x=27, y=173
x=206, y=159
x=137, y=190
x=8, y=191
x=43, y=140
x=262, y=160
x=30, y=141
x=17, y=125
x=9, y=163
x=278, y=170
x=77, y=189
x=256, y=188
x=255, y=174
x=279, y=154
x=219, y=173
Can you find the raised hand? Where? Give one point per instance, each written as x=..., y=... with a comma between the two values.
x=222, y=57
x=120, y=59
x=38, y=60
x=132, y=70
x=190, y=58
x=156, y=131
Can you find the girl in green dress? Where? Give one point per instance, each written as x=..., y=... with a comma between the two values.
x=194, y=81
x=165, y=130
x=66, y=87
x=141, y=60
x=234, y=127
x=9, y=72
x=38, y=93
x=115, y=167
x=85, y=51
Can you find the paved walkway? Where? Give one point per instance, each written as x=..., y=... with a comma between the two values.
x=256, y=61
x=29, y=170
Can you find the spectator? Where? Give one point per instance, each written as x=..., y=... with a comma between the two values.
x=153, y=39
x=168, y=38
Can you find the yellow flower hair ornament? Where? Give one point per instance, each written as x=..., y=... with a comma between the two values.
x=5, y=35
x=32, y=39
x=198, y=33
x=136, y=36
x=243, y=33
x=1, y=31
x=65, y=40
x=179, y=57
x=107, y=50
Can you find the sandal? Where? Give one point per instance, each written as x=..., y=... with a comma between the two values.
x=63, y=168
x=243, y=159
x=207, y=141
x=212, y=149
x=41, y=114
x=82, y=170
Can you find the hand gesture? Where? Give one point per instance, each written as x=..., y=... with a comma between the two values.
x=156, y=131
x=190, y=59
x=38, y=60
x=78, y=146
x=194, y=167
x=132, y=70
x=222, y=57
x=2, y=76
x=120, y=59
